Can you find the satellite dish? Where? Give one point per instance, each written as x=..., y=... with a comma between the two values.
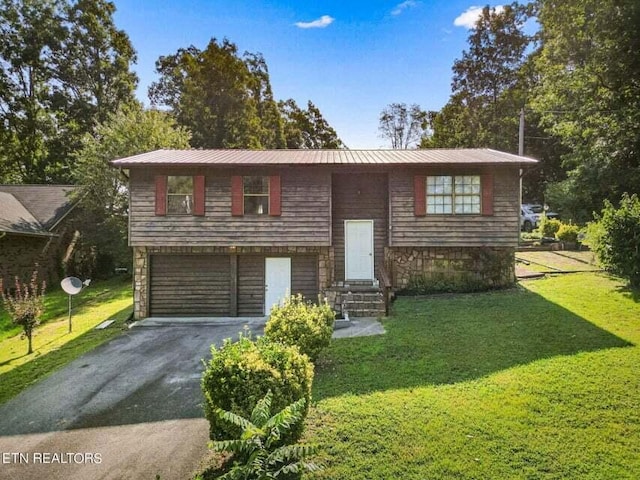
x=71, y=285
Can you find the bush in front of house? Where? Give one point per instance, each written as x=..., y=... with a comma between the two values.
x=548, y=227
x=568, y=233
x=240, y=373
x=615, y=238
x=257, y=452
x=301, y=323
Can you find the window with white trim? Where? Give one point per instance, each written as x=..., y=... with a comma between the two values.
x=256, y=195
x=447, y=194
x=179, y=195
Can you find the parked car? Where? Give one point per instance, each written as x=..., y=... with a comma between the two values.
x=530, y=214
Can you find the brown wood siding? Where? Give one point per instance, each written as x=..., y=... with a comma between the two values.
x=305, y=218
x=189, y=285
x=499, y=229
x=359, y=197
x=304, y=276
x=250, y=285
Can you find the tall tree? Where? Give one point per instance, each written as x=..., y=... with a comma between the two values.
x=492, y=82
x=29, y=34
x=271, y=122
x=589, y=96
x=64, y=67
x=129, y=131
x=227, y=101
x=404, y=126
x=307, y=129
x=486, y=99
x=215, y=94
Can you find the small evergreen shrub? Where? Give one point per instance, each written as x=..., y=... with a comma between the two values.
x=301, y=323
x=618, y=238
x=548, y=227
x=241, y=373
x=568, y=233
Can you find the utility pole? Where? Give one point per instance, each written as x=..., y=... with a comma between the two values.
x=521, y=153
x=521, y=134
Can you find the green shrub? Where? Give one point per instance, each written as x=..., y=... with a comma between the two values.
x=548, y=227
x=301, y=323
x=618, y=244
x=594, y=235
x=25, y=305
x=568, y=233
x=241, y=373
x=258, y=452
x=423, y=284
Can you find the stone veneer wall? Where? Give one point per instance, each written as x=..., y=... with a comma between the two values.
x=480, y=267
x=141, y=265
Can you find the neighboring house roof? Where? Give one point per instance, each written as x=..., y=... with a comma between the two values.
x=33, y=209
x=466, y=156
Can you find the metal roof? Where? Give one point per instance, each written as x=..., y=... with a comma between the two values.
x=45, y=206
x=466, y=156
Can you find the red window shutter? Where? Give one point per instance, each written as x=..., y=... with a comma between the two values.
x=237, y=196
x=161, y=194
x=274, y=195
x=198, y=195
x=419, y=195
x=486, y=182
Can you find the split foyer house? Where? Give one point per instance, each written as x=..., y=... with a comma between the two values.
x=230, y=232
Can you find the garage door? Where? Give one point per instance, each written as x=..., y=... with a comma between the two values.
x=189, y=285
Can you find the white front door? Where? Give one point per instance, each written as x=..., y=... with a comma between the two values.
x=277, y=281
x=358, y=249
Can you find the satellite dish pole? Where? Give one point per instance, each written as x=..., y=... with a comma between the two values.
x=73, y=286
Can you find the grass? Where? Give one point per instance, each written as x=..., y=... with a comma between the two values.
x=539, y=382
x=53, y=346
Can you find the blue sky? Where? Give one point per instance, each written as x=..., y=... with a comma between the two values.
x=351, y=58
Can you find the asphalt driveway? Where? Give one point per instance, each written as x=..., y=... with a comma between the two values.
x=132, y=408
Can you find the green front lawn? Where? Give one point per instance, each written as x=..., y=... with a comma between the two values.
x=53, y=345
x=538, y=382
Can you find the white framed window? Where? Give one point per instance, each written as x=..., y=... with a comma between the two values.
x=179, y=195
x=256, y=195
x=449, y=194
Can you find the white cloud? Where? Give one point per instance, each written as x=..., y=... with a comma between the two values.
x=322, y=22
x=401, y=7
x=469, y=17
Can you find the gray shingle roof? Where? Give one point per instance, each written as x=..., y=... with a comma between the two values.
x=14, y=218
x=33, y=209
x=467, y=156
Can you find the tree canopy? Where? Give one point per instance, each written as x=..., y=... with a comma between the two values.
x=487, y=85
x=588, y=96
x=576, y=80
x=307, y=128
x=404, y=126
x=226, y=100
x=105, y=199
x=64, y=67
